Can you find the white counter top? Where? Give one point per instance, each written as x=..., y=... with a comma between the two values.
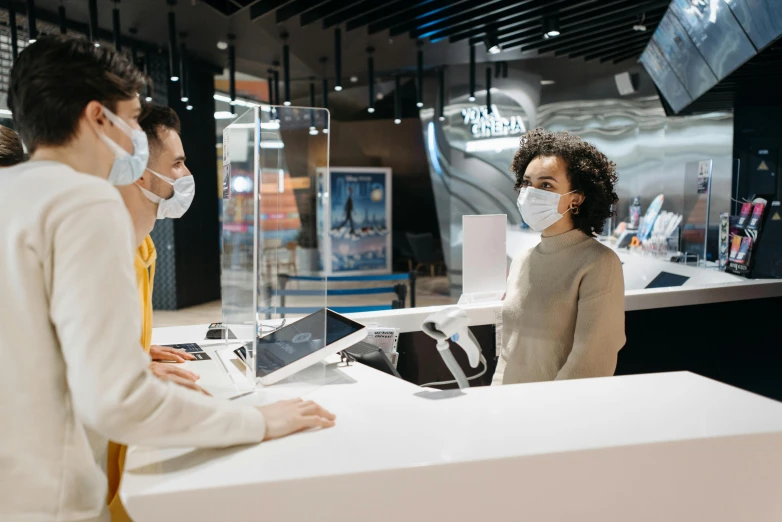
x=646, y=447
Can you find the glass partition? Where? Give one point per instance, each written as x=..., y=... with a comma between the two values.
x=270, y=276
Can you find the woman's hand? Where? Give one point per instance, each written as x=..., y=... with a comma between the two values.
x=180, y=376
x=167, y=353
x=287, y=417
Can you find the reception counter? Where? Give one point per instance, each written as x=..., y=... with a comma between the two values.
x=670, y=446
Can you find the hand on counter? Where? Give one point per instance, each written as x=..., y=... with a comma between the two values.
x=177, y=375
x=167, y=353
x=287, y=417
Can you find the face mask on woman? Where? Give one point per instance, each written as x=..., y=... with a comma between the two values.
x=127, y=168
x=175, y=206
x=539, y=208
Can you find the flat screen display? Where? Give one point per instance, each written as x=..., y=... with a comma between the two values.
x=300, y=339
x=663, y=76
x=716, y=33
x=683, y=57
x=667, y=279
x=761, y=19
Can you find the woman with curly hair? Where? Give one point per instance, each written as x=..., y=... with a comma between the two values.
x=563, y=315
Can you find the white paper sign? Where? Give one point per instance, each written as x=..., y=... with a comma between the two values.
x=484, y=260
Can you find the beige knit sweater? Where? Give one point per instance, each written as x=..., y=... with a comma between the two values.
x=563, y=315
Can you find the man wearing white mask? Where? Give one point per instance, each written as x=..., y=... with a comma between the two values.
x=74, y=374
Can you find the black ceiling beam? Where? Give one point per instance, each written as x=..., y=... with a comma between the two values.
x=635, y=53
x=624, y=39
x=387, y=10
x=487, y=15
x=607, y=32
x=623, y=54
x=469, y=11
x=295, y=8
x=530, y=8
x=350, y=13
x=331, y=7
x=406, y=15
x=265, y=7
x=518, y=21
x=432, y=17
x=575, y=32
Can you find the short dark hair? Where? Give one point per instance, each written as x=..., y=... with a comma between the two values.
x=11, y=150
x=55, y=78
x=590, y=173
x=153, y=119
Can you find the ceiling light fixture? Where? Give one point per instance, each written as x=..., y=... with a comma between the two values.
x=173, y=63
x=184, y=89
x=472, y=74
x=222, y=45
x=324, y=60
x=371, y=74
x=488, y=90
x=313, y=130
x=547, y=82
x=420, y=102
x=641, y=26
x=551, y=26
x=354, y=79
x=398, y=101
x=116, y=26
x=189, y=107
x=286, y=68
x=232, y=71
x=32, y=32
x=441, y=101
x=93, y=27
x=276, y=74
x=492, y=42
x=338, y=58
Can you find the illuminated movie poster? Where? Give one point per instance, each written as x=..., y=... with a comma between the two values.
x=358, y=219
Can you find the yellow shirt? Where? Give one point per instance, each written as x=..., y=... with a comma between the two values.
x=115, y=460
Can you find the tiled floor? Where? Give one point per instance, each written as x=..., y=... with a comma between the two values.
x=430, y=292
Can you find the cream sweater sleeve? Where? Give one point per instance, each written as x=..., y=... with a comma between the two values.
x=600, y=323
x=95, y=312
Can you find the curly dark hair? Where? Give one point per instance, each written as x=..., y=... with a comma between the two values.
x=589, y=171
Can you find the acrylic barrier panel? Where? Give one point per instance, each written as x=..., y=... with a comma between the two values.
x=273, y=280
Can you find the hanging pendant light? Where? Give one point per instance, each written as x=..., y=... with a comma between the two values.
x=184, y=88
x=148, y=97
x=232, y=71
x=286, y=68
x=441, y=106
x=313, y=129
x=472, y=73
x=488, y=90
x=338, y=58
x=63, y=19
x=32, y=31
x=276, y=65
x=398, y=101
x=116, y=27
x=270, y=81
x=93, y=7
x=14, y=36
x=420, y=102
x=173, y=63
x=371, y=73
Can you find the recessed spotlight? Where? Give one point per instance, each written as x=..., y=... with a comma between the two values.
x=354, y=79
x=371, y=110
x=337, y=88
x=222, y=45
x=551, y=26
x=419, y=104
x=547, y=82
x=492, y=42
x=189, y=107
x=175, y=78
x=397, y=121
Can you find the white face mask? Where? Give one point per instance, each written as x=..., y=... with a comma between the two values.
x=539, y=208
x=175, y=206
x=127, y=168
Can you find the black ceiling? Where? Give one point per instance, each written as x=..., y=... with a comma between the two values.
x=590, y=29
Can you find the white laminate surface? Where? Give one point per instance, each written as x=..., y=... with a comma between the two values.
x=415, y=454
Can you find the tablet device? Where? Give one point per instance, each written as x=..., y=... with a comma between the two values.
x=303, y=343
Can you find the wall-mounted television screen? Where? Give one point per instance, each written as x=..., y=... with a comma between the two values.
x=715, y=32
x=683, y=56
x=761, y=19
x=664, y=78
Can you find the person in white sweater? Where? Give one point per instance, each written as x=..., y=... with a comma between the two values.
x=563, y=312
x=73, y=373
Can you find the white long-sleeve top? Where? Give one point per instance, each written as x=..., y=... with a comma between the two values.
x=72, y=372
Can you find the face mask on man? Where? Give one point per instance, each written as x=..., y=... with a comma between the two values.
x=175, y=206
x=539, y=208
x=127, y=168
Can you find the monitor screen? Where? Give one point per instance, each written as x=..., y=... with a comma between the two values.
x=667, y=279
x=683, y=57
x=761, y=19
x=297, y=340
x=664, y=78
x=716, y=33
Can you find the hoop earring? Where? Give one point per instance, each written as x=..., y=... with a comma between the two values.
x=575, y=210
